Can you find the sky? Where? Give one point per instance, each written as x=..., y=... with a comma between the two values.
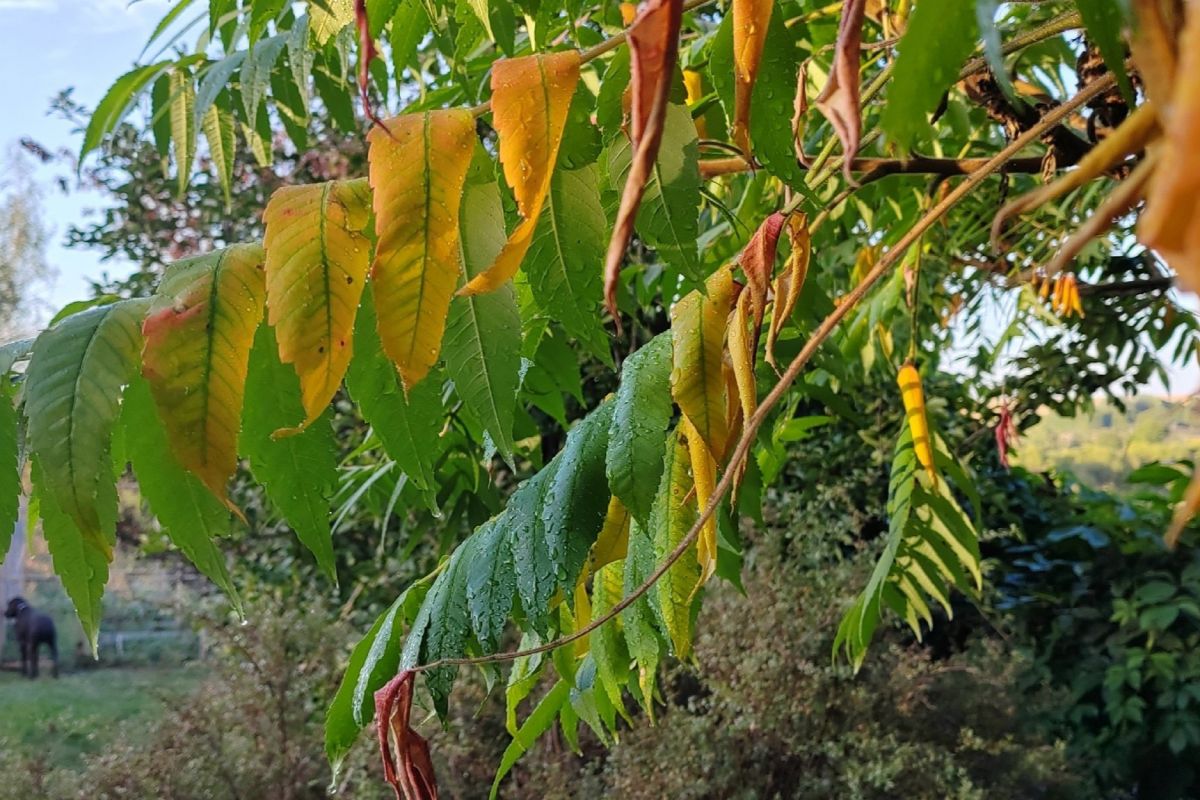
x=45, y=47
x=49, y=45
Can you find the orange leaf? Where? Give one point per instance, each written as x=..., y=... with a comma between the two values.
x=698, y=326
x=530, y=99
x=418, y=165
x=840, y=101
x=791, y=280
x=407, y=765
x=1171, y=223
x=750, y=20
x=197, y=347
x=653, y=50
x=317, y=255
x=758, y=262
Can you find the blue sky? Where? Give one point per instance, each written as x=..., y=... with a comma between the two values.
x=46, y=46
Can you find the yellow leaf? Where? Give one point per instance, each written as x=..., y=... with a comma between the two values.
x=704, y=476
x=418, y=163
x=914, y=408
x=741, y=354
x=789, y=283
x=698, y=325
x=197, y=346
x=613, y=541
x=1171, y=223
x=316, y=262
x=530, y=99
x=328, y=17
x=750, y=20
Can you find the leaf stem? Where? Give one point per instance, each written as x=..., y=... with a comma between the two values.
x=823, y=332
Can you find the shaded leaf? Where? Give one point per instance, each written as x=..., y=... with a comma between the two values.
x=641, y=414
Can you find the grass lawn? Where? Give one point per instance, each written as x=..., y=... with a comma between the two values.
x=59, y=720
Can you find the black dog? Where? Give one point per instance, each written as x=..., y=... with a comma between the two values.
x=33, y=630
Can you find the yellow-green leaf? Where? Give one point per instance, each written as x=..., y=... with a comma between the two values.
x=670, y=519
x=530, y=100
x=698, y=325
x=328, y=17
x=316, y=260
x=418, y=163
x=197, y=347
x=183, y=124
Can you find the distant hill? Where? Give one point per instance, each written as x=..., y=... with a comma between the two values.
x=1101, y=449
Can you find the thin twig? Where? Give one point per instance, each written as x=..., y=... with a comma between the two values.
x=823, y=331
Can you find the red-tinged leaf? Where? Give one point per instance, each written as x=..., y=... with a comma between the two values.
x=530, y=100
x=840, y=101
x=407, y=765
x=750, y=20
x=196, y=350
x=791, y=280
x=366, y=54
x=758, y=262
x=653, y=50
x=418, y=165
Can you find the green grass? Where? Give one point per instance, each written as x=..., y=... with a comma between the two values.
x=61, y=720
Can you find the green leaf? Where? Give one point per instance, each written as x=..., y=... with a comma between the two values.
x=300, y=58
x=491, y=582
x=606, y=643
x=218, y=132
x=537, y=723
x=299, y=472
x=193, y=517
x=408, y=427
x=569, y=242
x=261, y=13
x=375, y=659
x=73, y=390
x=641, y=414
x=80, y=562
x=985, y=15
x=536, y=573
x=116, y=103
x=408, y=29
x=941, y=35
x=378, y=14
x=482, y=343
x=670, y=520
x=576, y=497
x=443, y=626
x=641, y=630
x=10, y=477
x=183, y=125
x=668, y=216
x=215, y=79
x=1104, y=20
x=256, y=72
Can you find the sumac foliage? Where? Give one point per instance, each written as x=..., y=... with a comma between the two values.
x=564, y=200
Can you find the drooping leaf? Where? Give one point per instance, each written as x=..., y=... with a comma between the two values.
x=562, y=259
x=940, y=36
x=408, y=426
x=218, y=133
x=530, y=100
x=704, y=480
x=750, y=21
x=442, y=629
x=198, y=334
x=407, y=765
x=840, y=100
x=606, y=643
x=375, y=659
x=407, y=31
x=80, y=561
x=638, y=619
x=10, y=477
x=742, y=354
x=418, y=163
x=256, y=72
x=758, y=262
x=670, y=521
x=298, y=473
x=193, y=517
x=72, y=394
x=537, y=723
x=482, y=346
x=183, y=125
x=491, y=582
x=116, y=103
x=316, y=261
x=613, y=540
x=641, y=415
x=667, y=216
x=653, y=48
x=787, y=286
x=698, y=327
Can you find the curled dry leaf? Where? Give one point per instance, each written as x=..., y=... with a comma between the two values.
x=789, y=283
x=530, y=99
x=407, y=765
x=1171, y=223
x=366, y=54
x=1006, y=434
x=750, y=21
x=758, y=262
x=653, y=50
x=840, y=101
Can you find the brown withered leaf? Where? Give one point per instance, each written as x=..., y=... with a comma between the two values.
x=758, y=262
x=653, y=50
x=840, y=101
x=791, y=280
x=366, y=54
x=407, y=765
